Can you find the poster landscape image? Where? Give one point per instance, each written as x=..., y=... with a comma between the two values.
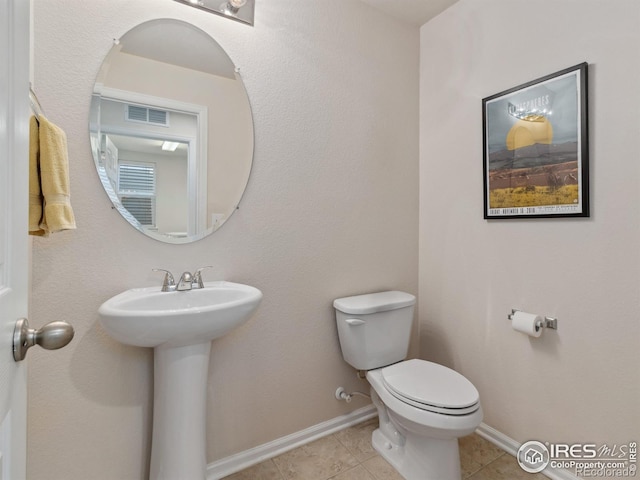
x=533, y=149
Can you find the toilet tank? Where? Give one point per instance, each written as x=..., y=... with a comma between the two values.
x=374, y=329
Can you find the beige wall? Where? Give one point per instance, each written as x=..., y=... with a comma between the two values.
x=331, y=210
x=581, y=383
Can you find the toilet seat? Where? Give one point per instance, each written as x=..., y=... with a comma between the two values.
x=431, y=387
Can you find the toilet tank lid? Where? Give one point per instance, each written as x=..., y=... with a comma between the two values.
x=374, y=302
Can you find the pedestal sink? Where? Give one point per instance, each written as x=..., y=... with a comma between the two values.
x=179, y=326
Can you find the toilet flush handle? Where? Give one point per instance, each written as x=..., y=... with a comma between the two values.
x=354, y=322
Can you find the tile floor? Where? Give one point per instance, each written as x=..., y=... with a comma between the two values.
x=348, y=455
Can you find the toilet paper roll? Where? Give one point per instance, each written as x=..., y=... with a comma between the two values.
x=527, y=323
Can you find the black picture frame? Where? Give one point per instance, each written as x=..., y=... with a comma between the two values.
x=536, y=148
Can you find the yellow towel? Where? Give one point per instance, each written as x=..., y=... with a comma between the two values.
x=57, y=214
x=35, y=194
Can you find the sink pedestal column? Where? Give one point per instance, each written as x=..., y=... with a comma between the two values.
x=178, y=449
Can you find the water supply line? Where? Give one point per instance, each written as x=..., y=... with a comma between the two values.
x=341, y=394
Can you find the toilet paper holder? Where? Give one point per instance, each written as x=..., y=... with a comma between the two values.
x=547, y=322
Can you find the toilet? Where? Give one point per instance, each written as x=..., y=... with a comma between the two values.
x=423, y=407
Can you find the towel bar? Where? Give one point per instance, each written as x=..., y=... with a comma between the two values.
x=35, y=103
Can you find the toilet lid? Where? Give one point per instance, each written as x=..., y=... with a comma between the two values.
x=374, y=302
x=430, y=386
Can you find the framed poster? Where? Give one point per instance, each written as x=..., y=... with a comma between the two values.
x=536, y=150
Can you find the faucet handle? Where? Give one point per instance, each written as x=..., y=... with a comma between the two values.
x=197, y=276
x=168, y=282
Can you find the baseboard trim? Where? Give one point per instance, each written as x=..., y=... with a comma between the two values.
x=510, y=446
x=240, y=461
x=235, y=463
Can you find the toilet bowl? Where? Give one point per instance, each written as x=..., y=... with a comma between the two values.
x=423, y=407
x=418, y=434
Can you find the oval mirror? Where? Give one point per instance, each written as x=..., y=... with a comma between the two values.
x=171, y=131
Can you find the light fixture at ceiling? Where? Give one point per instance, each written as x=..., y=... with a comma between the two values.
x=240, y=10
x=232, y=7
x=169, y=146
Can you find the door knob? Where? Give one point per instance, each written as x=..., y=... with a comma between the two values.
x=51, y=336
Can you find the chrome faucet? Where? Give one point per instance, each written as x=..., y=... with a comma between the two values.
x=186, y=282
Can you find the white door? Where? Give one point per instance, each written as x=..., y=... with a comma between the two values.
x=14, y=161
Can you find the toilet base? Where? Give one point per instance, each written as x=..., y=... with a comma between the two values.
x=417, y=452
x=420, y=458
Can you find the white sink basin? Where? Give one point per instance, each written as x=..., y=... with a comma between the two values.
x=180, y=325
x=147, y=317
